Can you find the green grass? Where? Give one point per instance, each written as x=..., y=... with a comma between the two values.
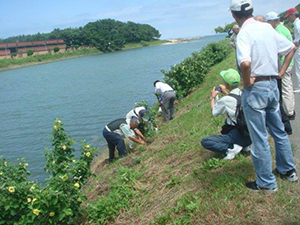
x=182, y=183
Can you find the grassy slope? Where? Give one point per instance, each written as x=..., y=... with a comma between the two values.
x=182, y=183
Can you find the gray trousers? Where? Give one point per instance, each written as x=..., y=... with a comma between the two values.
x=168, y=99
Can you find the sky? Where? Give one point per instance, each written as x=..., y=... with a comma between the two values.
x=173, y=18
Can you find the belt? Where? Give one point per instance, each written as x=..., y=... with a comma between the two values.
x=264, y=78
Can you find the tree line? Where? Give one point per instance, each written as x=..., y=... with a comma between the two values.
x=105, y=35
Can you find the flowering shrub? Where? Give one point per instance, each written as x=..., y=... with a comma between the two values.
x=27, y=202
x=191, y=72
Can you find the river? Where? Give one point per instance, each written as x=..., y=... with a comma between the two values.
x=86, y=93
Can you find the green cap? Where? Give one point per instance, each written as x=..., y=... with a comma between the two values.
x=231, y=76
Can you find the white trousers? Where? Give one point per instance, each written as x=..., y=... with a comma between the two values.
x=296, y=68
x=288, y=98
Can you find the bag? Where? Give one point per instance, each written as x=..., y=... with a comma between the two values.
x=226, y=128
x=240, y=123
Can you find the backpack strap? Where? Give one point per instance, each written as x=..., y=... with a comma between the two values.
x=238, y=106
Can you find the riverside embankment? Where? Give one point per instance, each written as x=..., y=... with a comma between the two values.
x=175, y=181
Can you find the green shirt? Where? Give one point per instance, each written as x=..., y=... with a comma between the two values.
x=281, y=29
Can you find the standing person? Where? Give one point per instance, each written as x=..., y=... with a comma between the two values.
x=115, y=131
x=235, y=29
x=167, y=99
x=288, y=98
x=293, y=16
x=231, y=142
x=258, y=46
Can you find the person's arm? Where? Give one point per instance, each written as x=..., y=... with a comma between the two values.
x=223, y=89
x=139, y=134
x=246, y=74
x=137, y=140
x=214, y=94
x=286, y=62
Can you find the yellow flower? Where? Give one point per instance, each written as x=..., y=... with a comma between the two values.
x=59, y=121
x=1, y=173
x=64, y=147
x=51, y=214
x=79, y=200
x=28, y=200
x=5, y=163
x=88, y=154
x=55, y=127
x=25, y=165
x=11, y=189
x=64, y=177
x=73, y=160
x=36, y=212
x=32, y=187
x=87, y=146
x=33, y=200
x=53, y=162
x=77, y=185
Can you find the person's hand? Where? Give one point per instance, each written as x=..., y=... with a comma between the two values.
x=213, y=93
x=251, y=82
x=143, y=143
x=223, y=88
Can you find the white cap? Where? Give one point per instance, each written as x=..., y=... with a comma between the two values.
x=272, y=16
x=236, y=5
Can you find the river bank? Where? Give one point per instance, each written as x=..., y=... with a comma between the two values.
x=16, y=63
x=175, y=181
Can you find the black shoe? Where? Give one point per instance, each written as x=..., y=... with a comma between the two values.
x=290, y=175
x=292, y=117
x=253, y=186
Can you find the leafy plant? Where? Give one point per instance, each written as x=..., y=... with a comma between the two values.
x=30, y=52
x=27, y=202
x=191, y=72
x=56, y=49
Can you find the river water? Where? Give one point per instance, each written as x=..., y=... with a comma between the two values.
x=85, y=93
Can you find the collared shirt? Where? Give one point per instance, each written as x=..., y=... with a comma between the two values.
x=281, y=29
x=296, y=25
x=161, y=88
x=227, y=105
x=260, y=44
x=131, y=113
x=124, y=131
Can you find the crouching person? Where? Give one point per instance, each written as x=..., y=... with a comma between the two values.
x=115, y=131
x=232, y=141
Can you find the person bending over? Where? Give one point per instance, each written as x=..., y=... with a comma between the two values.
x=115, y=131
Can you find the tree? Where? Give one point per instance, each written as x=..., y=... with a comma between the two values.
x=29, y=52
x=56, y=49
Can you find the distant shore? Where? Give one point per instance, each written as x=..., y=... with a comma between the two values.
x=10, y=64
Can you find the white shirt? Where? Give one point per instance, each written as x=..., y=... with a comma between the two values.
x=131, y=113
x=227, y=105
x=296, y=30
x=260, y=44
x=161, y=88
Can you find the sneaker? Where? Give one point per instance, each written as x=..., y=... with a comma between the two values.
x=254, y=187
x=297, y=90
x=247, y=149
x=232, y=152
x=290, y=175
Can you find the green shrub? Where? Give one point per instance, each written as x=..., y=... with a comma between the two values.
x=29, y=52
x=27, y=202
x=56, y=49
x=191, y=72
x=144, y=43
